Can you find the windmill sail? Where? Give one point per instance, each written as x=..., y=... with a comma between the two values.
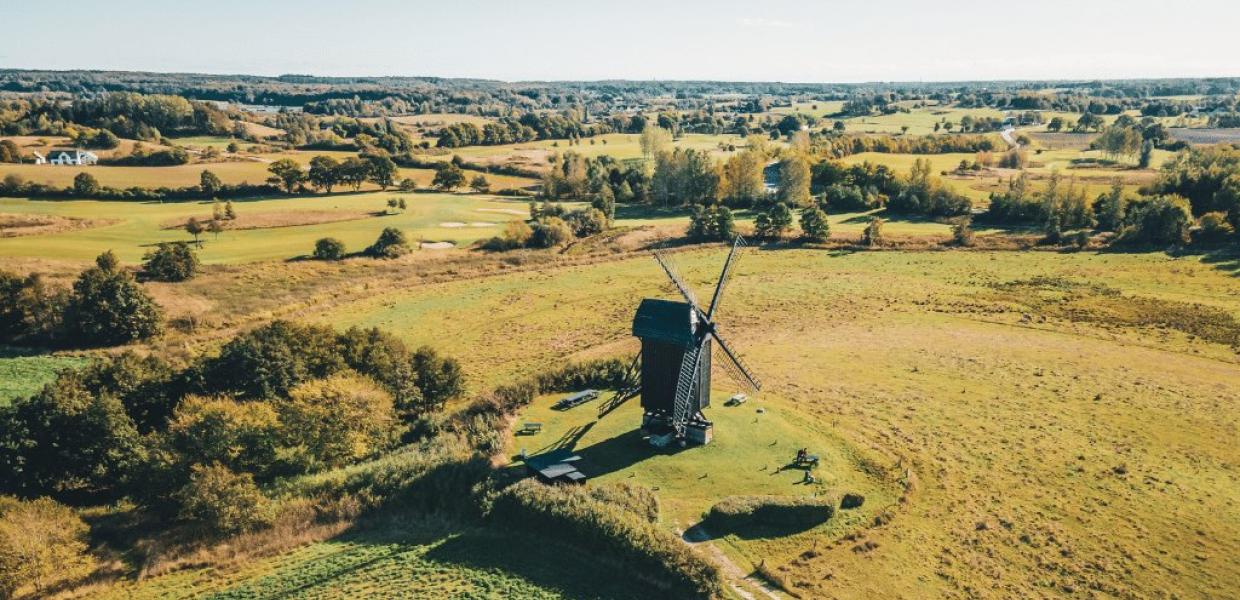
x=683, y=405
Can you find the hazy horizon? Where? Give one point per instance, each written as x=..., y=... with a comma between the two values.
x=556, y=40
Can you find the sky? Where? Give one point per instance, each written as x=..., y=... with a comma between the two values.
x=820, y=41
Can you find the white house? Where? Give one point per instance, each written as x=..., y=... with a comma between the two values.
x=39, y=159
x=72, y=157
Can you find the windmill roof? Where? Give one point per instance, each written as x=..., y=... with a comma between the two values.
x=663, y=320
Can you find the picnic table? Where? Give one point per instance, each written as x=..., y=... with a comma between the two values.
x=530, y=429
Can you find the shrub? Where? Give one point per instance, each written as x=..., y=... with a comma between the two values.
x=873, y=234
x=962, y=232
x=549, y=232
x=588, y=222
x=41, y=543
x=392, y=243
x=332, y=422
x=85, y=184
x=329, y=248
x=1213, y=227
x=242, y=436
x=714, y=222
x=772, y=224
x=225, y=502
x=577, y=517
x=516, y=235
x=741, y=513
x=174, y=261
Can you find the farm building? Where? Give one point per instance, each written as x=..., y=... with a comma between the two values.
x=39, y=159
x=72, y=157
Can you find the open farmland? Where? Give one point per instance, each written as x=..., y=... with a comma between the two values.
x=620, y=146
x=1016, y=401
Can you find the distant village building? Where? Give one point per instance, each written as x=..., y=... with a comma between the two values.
x=39, y=159
x=71, y=157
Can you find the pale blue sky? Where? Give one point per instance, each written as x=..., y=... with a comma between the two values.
x=758, y=40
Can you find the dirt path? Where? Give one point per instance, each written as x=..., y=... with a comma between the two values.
x=744, y=585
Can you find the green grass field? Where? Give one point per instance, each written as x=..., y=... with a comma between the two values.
x=23, y=374
x=462, y=219
x=404, y=559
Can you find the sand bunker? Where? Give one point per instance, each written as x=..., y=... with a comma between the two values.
x=507, y=211
x=17, y=225
x=452, y=224
x=436, y=245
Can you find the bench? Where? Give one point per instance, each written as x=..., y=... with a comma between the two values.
x=530, y=429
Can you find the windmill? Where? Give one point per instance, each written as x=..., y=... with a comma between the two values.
x=677, y=340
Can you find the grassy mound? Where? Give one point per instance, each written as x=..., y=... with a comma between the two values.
x=773, y=515
x=590, y=519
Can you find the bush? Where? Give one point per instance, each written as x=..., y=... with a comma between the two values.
x=588, y=222
x=242, y=436
x=332, y=422
x=1213, y=227
x=225, y=502
x=577, y=517
x=392, y=243
x=174, y=261
x=873, y=234
x=41, y=543
x=329, y=249
x=743, y=513
x=550, y=232
x=85, y=185
x=962, y=232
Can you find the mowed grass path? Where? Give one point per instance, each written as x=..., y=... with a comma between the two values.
x=141, y=225
x=1058, y=443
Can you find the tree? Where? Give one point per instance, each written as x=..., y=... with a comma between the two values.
x=393, y=203
x=838, y=126
x=381, y=170
x=742, y=181
x=1147, y=154
x=654, y=141
x=772, y=223
x=324, y=173
x=1055, y=124
x=215, y=227
x=448, y=176
x=439, y=378
x=353, y=172
x=329, y=248
x=794, y=181
x=814, y=224
x=194, y=227
x=9, y=152
x=232, y=147
x=287, y=173
x=224, y=501
x=68, y=442
x=1164, y=219
x=85, y=185
x=268, y=361
x=333, y=422
x=480, y=184
x=1109, y=209
x=209, y=183
x=392, y=243
x=174, y=261
x=107, y=307
x=41, y=542
x=229, y=213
